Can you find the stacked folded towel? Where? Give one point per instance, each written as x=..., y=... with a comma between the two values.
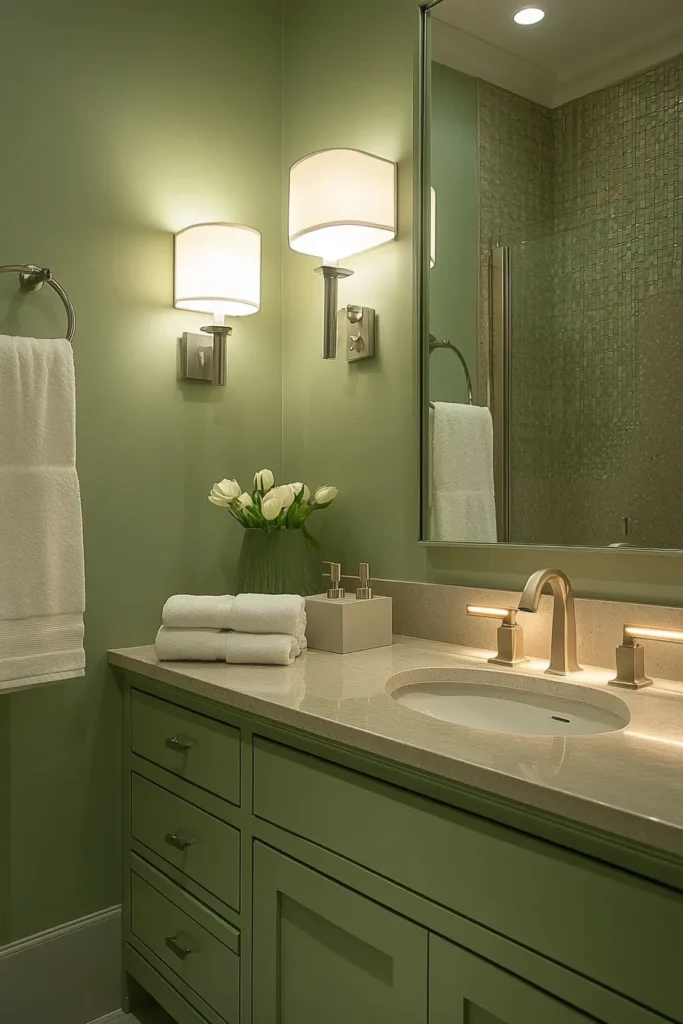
x=264, y=629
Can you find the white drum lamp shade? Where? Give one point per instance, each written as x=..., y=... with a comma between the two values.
x=218, y=269
x=341, y=202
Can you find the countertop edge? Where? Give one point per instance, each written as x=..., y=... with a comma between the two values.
x=657, y=836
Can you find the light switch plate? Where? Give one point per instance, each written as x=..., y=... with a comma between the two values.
x=357, y=328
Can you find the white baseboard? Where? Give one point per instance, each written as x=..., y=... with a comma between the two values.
x=67, y=975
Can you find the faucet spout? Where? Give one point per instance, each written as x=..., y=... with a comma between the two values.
x=563, y=639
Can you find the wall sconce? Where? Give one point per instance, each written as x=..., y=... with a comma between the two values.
x=341, y=202
x=217, y=271
x=432, y=228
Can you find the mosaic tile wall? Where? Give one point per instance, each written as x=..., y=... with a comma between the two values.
x=597, y=256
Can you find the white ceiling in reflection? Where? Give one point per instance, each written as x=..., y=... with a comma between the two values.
x=580, y=46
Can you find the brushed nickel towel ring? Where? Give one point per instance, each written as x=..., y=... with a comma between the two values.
x=32, y=279
x=434, y=344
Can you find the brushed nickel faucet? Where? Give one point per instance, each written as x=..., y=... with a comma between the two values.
x=631, y=654
x=563, y=639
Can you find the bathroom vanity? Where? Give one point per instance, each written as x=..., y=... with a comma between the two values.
x=302, y=847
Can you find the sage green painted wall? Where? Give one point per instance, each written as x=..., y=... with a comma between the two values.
x=357, y=426
x=454, y=278
x=124, y=122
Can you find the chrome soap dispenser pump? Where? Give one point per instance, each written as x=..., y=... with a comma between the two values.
x=335, y=591
x=364, y=591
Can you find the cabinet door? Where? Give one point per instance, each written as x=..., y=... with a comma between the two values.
x=464, y=989
x=323, y=953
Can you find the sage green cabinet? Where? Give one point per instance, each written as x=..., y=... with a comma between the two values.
x=324, y=953
x=465, y=989
x=273, y=878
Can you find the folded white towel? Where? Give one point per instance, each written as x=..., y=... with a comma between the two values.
x=261, y=649
x=42, y=582
x=464, y=506
x=217, y=645
x=246, y=613
x=269, y=613
x=191, y=611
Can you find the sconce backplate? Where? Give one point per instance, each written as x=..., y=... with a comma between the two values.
x=196, y=357
x=204, y=356
x=357, y=332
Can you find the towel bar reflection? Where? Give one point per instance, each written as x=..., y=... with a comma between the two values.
x=32, y=279
x=434, y=344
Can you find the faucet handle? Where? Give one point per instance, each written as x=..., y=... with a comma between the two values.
x=631, y=655
x=510, y=634
x=508, y=615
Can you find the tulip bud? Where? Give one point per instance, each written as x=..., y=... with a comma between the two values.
x=218, y=499
x=271, y=505
x=324, y=495
x=263, y=480
x=286, y=492
x=245, y=500
x=228, y=489
x=298, y=488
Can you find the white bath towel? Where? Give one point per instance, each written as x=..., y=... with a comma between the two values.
x=42, y=582
x=269, y=613
x=463, y=502
x=219, y=645
x=193, y=611
x=247, y=613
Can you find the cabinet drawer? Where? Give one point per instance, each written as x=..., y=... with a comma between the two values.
x=187, y=938
x=200, y=846
x=612, y=927
x=190, y=745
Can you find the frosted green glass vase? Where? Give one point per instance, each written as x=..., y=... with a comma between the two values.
x=278, y=562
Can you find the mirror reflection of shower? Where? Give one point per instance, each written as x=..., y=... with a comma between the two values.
x=556, y=221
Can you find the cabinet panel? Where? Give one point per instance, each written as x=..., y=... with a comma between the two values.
x=203, y=847
x=192, y=746
x=464, y=989
x=325, y=953
x=611, y=927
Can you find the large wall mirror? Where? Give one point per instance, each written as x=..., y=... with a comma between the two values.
x=552, y=350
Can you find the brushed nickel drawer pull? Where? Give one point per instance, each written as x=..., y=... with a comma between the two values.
x=173, y=839
x=182, y=746
x=180, y=951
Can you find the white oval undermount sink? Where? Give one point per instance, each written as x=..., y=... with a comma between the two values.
x=510, y=703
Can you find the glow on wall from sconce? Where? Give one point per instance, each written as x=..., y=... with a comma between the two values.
x=341, y=202
x=218, y=269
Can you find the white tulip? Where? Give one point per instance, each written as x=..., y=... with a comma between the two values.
x=218, y=499
x=245, y=500
x=324, y=495
x=298, y=488
x=287, y=494
x=227, y=489
x=271, y=505
x=263, y=480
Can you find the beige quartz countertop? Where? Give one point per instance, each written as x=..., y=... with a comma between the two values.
x=628, y=783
